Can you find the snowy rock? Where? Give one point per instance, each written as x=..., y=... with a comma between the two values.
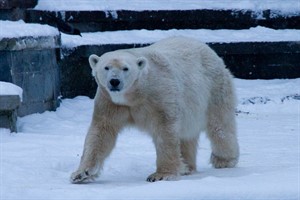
x=10, y=99
x=10, y=89
x=28, y=59
x=19, y=35
x=14, y=29
x=8, y=111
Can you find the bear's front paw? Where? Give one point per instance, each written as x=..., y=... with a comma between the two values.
x=82, y=175
x=162, y=176
x=219, y=162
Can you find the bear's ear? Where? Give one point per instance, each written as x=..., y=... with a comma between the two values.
x=141, y=62
x=93, y=60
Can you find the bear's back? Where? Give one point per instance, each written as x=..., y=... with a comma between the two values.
x=178, y=44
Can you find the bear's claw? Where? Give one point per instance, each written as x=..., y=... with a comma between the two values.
x=81, y=176
x=161, y=176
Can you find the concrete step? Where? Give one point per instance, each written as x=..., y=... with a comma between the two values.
x=15, y=9
x=111, y=20
x=11, y=4
x=256, y=53
x=8, y=111
x=28, y=59
x=247, y=60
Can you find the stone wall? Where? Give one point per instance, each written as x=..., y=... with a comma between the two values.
x=32, y=66
x=15, y=9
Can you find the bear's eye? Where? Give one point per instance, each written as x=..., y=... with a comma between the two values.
x=106, y=68
x=125, y=69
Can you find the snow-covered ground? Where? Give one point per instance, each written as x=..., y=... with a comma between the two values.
x=287, y=6
x=257, y=34
x=36, y=162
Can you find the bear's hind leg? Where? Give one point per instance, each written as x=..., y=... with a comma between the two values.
x=188, y=153
x=221, y=130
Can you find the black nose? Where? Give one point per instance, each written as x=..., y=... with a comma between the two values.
x=114, y=82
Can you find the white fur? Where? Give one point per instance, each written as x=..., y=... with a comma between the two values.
x=173, y=89
x=118, y=98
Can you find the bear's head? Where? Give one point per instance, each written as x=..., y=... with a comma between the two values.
x=117, y=72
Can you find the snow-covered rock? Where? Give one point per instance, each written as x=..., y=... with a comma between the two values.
x=10, y=89
x=18, y=35
x=14, y=29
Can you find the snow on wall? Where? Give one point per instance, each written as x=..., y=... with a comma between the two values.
x=10, y=89
x=257, y=34
x=15, y=29
x=286, y=6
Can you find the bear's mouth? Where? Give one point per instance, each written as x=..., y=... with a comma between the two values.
x=115, y=90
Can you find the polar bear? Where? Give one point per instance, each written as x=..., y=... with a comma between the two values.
x=173, y=89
